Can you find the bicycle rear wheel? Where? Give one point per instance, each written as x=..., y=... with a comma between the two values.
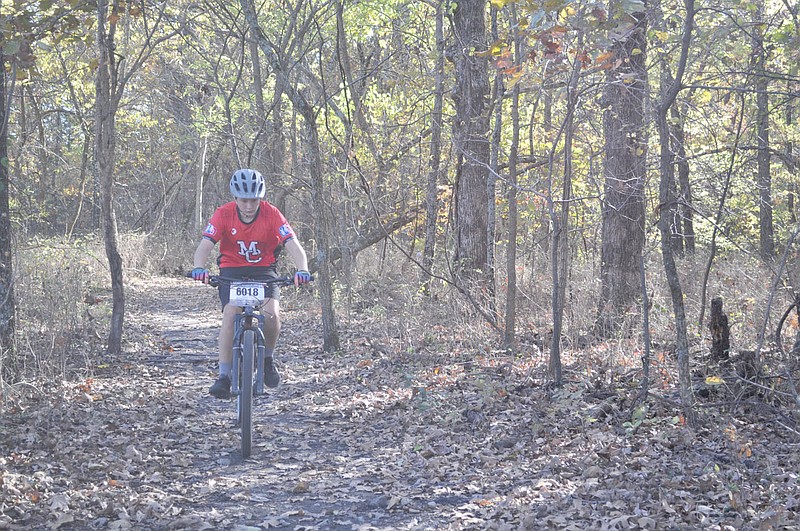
x=246, y=391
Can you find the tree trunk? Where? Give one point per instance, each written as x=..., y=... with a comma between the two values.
x=667, y=209
x=497, y=94
x=470, y=136
x=511, y=200
x=199, y=218
x=7, y=315
x=432, y=188
x=559, y=252
x=625, y=159
x=685, y=212
x=791, y=167
x=105, y=144
x=261, y=112
x=676, y=223
x=764, y=179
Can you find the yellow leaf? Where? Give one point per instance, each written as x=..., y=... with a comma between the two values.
x=512, y=80
x=714, y=380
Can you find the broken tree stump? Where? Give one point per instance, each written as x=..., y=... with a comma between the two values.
x=720, y=331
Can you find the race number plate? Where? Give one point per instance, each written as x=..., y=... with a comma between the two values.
x=247, y=293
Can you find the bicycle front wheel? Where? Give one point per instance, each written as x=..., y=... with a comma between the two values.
x=246, y=391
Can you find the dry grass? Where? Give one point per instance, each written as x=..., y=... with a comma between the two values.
x=63, y=303
x=63, y=309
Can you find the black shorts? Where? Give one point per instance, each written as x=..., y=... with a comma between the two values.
x=248, y=273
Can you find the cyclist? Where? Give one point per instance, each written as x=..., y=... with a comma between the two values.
x=251, y=233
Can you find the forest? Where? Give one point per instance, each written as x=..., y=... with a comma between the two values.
x=554, y=245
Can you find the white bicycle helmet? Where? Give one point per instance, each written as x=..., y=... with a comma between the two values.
x=248, y=184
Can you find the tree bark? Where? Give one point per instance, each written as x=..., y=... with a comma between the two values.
x=7, y=314
x=685, y=212
x=105, y=145
x=625, y=160
x=667, y=208
x=764, y=179
x=432, y=188
x=497, y=96
x=470, y=136
x=511, y=200
x=559, y=256
x=199, y=218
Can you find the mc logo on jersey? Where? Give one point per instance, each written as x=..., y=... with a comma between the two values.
x=250, y=252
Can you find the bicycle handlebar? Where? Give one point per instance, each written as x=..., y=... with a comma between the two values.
x=217, y=280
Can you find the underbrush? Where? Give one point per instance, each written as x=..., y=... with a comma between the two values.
x=63, y=305
x=57, y=283
x=389, y=315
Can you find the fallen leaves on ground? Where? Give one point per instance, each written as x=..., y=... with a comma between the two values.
x=387, y=434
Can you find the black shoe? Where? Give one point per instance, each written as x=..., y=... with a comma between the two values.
x=221, y=388
x=271, y=375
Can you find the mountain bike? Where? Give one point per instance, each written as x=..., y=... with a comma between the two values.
x=247, y=373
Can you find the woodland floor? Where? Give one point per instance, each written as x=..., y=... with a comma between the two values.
x=378, y=436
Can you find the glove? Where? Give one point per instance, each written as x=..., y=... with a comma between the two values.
x=201, y=274
x=302, y=277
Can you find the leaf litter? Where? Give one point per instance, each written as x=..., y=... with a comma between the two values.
x=377, y=436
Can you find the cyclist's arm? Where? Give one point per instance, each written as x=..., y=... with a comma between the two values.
x=297, y=253
x=203, y=252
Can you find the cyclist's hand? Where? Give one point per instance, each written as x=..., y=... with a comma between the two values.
x=200, y=274
x=302, y=277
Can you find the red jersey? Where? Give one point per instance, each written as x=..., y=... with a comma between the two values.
x=248, y=244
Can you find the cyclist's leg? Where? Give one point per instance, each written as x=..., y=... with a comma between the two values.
x=225, y=342
x=221, y=387
x=272, y=328
x=272, y=323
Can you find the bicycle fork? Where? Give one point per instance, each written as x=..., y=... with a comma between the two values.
x=249, y=321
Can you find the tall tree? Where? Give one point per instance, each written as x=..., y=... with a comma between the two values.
x=686, y=214
x=559, y=215
x=625, y=135
x=7, y=316
x=764, y=176
x=470, y=137
x=434, y=162
x=111, y=77
x=668, y=208
x=106, y=104
x=314, y=166
x=511, y=198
